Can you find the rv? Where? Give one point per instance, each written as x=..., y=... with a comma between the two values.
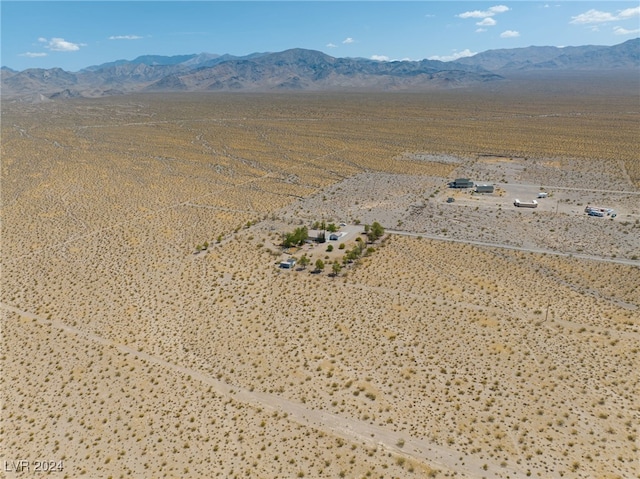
x=525, y=204
x=589, y=209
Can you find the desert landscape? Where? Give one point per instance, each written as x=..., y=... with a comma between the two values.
x=149, y=331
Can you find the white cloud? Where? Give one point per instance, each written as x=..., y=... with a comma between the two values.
x=629, y=13
x=33, y=55
x=509, y=34
x=60, y=45
x=480, y=30
x=624, y=31
x=484, y=13
x=597, y=16
x=380, y=58
x=331, y=45
x=474, y=14
x=592, y=16
x=486, y=22
x=499, y=9
x=454, y=56
x=125, y=37
x=348, y=40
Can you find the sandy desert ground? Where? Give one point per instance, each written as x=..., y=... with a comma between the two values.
x=475, y=339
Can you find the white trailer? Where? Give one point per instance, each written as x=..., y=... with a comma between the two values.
x=525, y=204
x=589, y=209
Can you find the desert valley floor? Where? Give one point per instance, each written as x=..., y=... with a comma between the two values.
x=474, y=339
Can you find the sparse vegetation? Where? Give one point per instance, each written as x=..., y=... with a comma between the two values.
x=161, y=358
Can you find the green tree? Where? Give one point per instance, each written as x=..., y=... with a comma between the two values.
x=304, y=261
x=319, y=265
x=332, y=228
x=330, y=248
x=297, y=237
x=376, y=231
x=302, y=234
x=287, y=240
x=353, y=254
x=336, y=268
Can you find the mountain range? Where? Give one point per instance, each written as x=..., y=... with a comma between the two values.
x=307, y=70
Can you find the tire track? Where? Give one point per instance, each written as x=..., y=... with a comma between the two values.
x=417, y=449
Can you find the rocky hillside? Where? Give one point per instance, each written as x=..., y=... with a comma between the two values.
x=306, y=70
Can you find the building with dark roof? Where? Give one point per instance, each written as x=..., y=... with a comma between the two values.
x=462, y=183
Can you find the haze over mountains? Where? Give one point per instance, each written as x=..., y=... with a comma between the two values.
x=308, y=70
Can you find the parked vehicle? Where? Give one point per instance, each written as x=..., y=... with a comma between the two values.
x=525, y=204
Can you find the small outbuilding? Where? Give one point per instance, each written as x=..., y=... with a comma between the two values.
x=288, y=263
x=484, y=188
x=462, y=183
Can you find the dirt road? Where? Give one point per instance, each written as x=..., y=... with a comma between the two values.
x=629, y=262
x=418, y=449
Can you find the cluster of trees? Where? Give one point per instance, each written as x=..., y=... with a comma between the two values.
x=297, y=237
x=356, y=252
x=374, y=231
x=304, y=261
x=321, y=225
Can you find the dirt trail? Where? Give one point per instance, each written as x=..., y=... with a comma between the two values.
x=570, y=188
x=629, y=262
x=400, y=444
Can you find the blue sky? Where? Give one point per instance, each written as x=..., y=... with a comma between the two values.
x=76, y=34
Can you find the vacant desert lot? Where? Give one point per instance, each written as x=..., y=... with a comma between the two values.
x=124, y=354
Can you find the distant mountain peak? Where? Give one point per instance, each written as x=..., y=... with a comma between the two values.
x=588, y=57
x=303, y=69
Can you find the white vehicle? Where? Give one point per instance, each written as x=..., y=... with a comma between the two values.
x=525, y=204
x=590, y=208
x=543, y=195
